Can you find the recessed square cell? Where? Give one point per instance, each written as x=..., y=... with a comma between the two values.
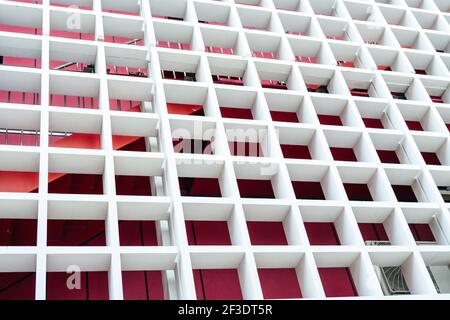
x=200, y=187
x=322, y=234
x=291, y=151
x=92, y=286
x=343, y=154
x=310, y=190
x=217, y=284
x=137, y=233
x=208, y=233
x=337, y=282
x=255, y=188
x=388, y=156
x=142, y=285
x=79, y=233
x=404, y=193
x=267, y=233
x=358, y=192
x=17, y=285
x=18, y=232
x=279, y=283
x=373, y=232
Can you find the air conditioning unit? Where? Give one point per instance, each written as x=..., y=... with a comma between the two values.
x=445, y=193
x=392, y=280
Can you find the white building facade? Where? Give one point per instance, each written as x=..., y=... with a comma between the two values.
x=195, y=149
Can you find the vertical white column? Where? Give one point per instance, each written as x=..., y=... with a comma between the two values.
x=109, y=185
x=41, y=259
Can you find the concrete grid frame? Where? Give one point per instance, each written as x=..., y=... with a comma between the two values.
x=352, y=61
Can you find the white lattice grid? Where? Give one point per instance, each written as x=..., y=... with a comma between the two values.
x=171, y=208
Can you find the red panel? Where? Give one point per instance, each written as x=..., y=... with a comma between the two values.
x=414, y=125
x=233, y=81
x=266, y=233
x=273, y=84
x=385, y=68
x=357, y=192
x=11, y=181
x=186, y=109
x=245, y=149
x=295, y=151
x=359, y=92
x=130, y=233
x=431, y=158
x=97, y=286
x=75, y=184
x=77, y=140
x=200, y=187
x=347, y=64
x=284, y=116
x=220, y=50
x=18, y=232
x=279, y=283
x=16, y=139
x=236, y=113
x=134, y=285
x=335, y=37
x=198, y=282
x=217, y=284
x=71, y=35
x=322, y=234
x=437, y=99
x=138, y=233
x=308, y=190
x=422, y=232
x=60, y=4
x=17, y=286
x=127, y=143
x=19, y=97
x=306, y=59
x=136, y=146
x=133, y=186
x=22, y=62
x=420, y=71
x=122, y=12
x=343, y=154
x=124, y=105
x=57, y=287
x=265, y=55
x=74, y=102
x=337, y=282
x=373, y=232
x=388, y=156
x=373, y=123
x=6, y=231
x=123, y=40
x=196, y=146
x=155, y=285
x=404, y=193
x=255, y=188
x=94, y=286
x=149, y=234
x=19, y=29
x=76, y=233
x=208, y=233
x=331, y=120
